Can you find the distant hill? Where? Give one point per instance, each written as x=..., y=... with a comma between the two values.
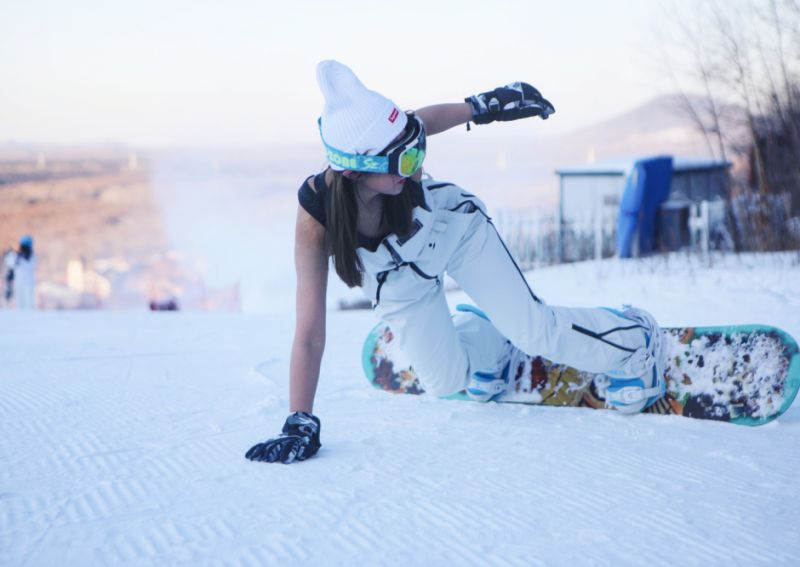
x=661, y=125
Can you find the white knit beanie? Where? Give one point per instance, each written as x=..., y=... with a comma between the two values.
x=355, y=119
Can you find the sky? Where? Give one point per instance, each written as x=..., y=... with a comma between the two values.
x=207, y=73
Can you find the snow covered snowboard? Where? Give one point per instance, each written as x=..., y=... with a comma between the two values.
x=744, y=374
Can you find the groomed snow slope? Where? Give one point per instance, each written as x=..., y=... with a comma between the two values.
x=123, y=437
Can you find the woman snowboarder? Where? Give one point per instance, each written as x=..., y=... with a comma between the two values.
x=395, y=233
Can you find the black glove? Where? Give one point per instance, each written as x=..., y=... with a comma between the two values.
x=512, y=102
x=298, y=441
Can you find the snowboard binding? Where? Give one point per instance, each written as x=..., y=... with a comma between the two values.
x=640, y=382
x=486, y=386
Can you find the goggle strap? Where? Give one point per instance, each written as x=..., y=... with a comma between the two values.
x=355, y=162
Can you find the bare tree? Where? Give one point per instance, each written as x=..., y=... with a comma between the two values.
x=685, y=45
x=748, y=51
x=788, y=111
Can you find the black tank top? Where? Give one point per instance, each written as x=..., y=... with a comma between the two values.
x=317, y=202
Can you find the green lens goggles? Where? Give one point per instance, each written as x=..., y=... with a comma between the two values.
x=404, y=157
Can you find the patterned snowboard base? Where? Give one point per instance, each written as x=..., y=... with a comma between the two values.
x=743, y=374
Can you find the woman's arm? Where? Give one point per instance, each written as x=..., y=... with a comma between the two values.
x=441, y=117
x=311, y=265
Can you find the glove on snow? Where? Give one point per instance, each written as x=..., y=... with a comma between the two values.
x=298, y=441
x=512, y=102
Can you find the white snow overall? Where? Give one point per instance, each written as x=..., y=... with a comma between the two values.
x=453, y=234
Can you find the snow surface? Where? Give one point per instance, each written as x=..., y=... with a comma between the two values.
x=124, y=433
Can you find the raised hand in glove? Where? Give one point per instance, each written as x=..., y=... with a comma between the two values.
x=512, y=102
x=298, y=441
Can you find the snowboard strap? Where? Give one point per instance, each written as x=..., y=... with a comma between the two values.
x=631, y=394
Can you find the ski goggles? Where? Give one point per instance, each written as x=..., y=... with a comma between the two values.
x=403, y=157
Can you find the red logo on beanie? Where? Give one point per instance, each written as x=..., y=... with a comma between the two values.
x=393, y=116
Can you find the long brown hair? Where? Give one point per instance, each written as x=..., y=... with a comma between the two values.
x=342, y=213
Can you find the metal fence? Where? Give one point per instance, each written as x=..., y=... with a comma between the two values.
x=538, y=239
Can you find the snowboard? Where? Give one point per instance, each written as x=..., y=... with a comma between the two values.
x=742, y=374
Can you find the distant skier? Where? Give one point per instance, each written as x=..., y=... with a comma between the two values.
x=25, y=275
x=9, y=262
x=395, y=233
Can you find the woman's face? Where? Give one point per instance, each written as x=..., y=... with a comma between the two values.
x=382, y=183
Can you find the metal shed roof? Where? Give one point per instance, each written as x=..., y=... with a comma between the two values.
x=623, y=165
